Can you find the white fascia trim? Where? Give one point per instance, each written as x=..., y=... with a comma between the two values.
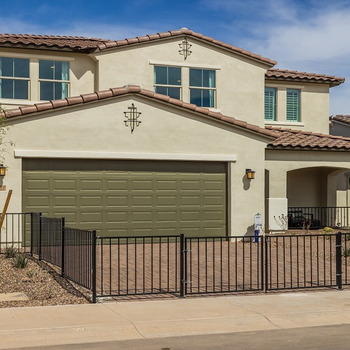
x=183, y=64
x=117, y=155
x=44, y=57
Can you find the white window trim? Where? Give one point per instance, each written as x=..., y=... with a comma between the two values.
x=183, y=64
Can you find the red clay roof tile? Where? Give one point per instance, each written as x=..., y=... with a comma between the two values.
x=134, y=89
x=341, y=118
x=297, y=139
x=283, y=74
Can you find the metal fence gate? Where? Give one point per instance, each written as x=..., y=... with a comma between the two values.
x=180, y=265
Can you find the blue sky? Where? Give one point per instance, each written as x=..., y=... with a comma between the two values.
x=305, y=35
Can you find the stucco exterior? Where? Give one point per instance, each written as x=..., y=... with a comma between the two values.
x=314, y=106
x=97, y=131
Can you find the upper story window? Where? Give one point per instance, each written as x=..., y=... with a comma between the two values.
x=270, y=103
x=14, y=78
x=202, y=87
x=293, y=105
x=54, y=79
x=167, y=81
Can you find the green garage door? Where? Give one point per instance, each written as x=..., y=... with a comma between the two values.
x=129, y=197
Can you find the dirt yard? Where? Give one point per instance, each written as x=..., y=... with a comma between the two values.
x=42, y=285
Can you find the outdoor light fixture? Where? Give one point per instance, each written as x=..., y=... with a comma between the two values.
x=250, y=174
x=2, y=170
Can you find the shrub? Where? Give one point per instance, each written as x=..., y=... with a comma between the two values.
x=346, y=252
x=20, y=261
x=328, y=230
x=10, y=252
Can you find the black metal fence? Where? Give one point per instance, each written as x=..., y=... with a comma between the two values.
x=78, y=257
x=318, y=217
x=138, y=265
x=119, y=266
x=16, y=231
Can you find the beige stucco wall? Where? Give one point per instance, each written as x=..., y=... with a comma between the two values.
x=82, y=72
x=97, y=129
x=239, y=81
x=305, y=178
x=314, y=106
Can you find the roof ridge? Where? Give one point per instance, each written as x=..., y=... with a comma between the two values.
x=47, y=36
x=113, y=92
x=182, y=31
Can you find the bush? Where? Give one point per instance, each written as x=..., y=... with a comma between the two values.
x=346, y=252
x=20, y=261
x=328, y=230
x=10, y=252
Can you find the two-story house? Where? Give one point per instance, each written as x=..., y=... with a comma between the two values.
x=161, y=134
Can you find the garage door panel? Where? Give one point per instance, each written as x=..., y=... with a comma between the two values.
x=129, y=197
x=91, y=201
x=64, y=201
x=117, y=201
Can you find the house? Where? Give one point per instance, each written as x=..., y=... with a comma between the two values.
x=157, y=134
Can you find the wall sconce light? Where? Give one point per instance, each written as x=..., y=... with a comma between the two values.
x=2, y=170
x=250, y=174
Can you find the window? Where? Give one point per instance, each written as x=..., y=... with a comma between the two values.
x=202, y=87
x=293, y=105
x=167, y=81
x=270, y=103
x=14, y=78
x=54, y=79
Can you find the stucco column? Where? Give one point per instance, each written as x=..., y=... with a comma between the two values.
x=277, y=202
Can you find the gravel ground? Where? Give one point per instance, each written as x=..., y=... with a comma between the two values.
x=41, y=284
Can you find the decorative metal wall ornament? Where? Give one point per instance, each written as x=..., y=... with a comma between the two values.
x=132, y=117
x=185, y=48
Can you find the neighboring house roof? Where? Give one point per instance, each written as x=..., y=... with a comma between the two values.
x=341, y=118
x=303, y=140
x=93, y=44
x=70, y=43
x=137, y=90
x=289, y=75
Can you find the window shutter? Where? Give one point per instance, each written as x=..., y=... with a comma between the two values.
x=270, y=104
x=293, y=105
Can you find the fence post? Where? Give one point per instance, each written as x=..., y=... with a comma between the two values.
x=94, y=242
x=31, y=233
x=182, y=265
x=266, y=240
x=262, y=239
x=338, y=256
x=62, y=250
x=40, y=232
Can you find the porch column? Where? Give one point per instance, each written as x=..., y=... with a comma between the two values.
x=277, y=202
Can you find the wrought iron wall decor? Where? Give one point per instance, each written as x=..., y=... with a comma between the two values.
x=132, y=116
x=185, y=48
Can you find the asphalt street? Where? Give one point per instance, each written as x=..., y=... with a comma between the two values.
x=321, y=338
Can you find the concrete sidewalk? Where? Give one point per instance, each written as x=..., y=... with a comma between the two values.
x=72, y=324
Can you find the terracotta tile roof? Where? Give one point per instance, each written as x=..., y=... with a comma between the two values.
x=132, y=89
x=303, y=140
x=82, y=44
x=341, y=118
x=188, y=33
x=283, y=74
x=70, y=43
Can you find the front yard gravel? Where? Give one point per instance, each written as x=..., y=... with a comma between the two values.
x=42, y=285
